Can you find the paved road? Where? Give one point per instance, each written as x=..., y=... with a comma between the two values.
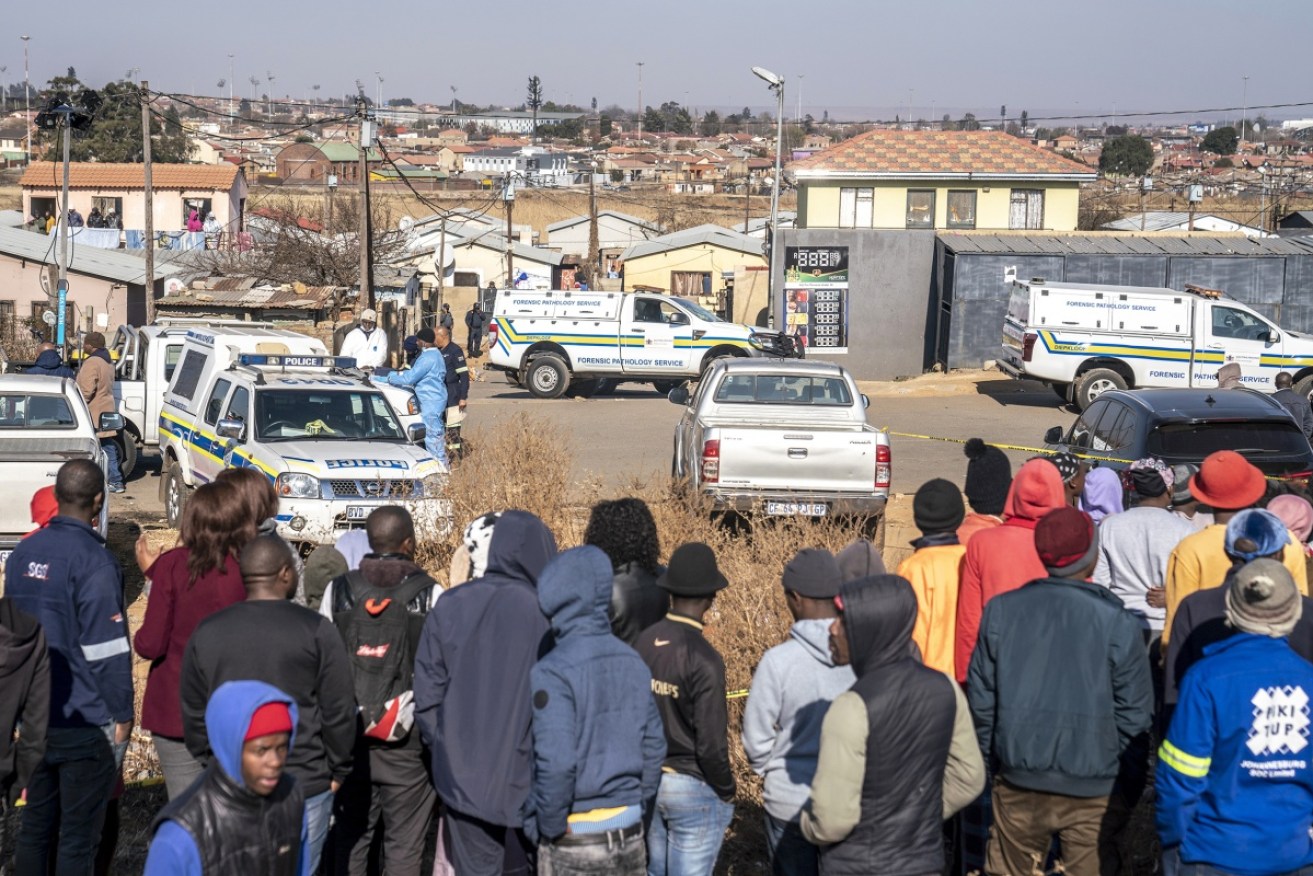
x=628, y=435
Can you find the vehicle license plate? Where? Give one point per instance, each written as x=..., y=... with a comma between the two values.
x=357, y=512
x=797, y=509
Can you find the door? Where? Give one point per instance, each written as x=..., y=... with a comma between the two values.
x=1026, y=209
x=1235, y=335
x=657, y=337
x=209, y=456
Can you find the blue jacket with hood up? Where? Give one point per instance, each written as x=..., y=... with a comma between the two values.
x=173, y=851
x=472, y=675
x=49, y=364
x=590, y=694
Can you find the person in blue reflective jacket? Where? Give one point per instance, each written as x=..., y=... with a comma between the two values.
x=429, y=378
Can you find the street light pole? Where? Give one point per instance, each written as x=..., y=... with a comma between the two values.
x=231, y=106
x=640, y=99
x=776, y=83
x=27, y=102
x=1244, y=113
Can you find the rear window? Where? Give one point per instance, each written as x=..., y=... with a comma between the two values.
x=1019, y=305
x=189, y=375
x=1197, y=440
x=35, y=412
x=783, y=389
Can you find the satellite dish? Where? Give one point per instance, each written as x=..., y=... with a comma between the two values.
x=406, y=223
x=174, y=286
x=48, y=317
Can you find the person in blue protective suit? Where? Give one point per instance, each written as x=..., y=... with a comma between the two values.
x=429, y=378
x=244, y=814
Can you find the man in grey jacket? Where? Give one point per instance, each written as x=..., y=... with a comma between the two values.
x=791, y=690
x=1294, y=402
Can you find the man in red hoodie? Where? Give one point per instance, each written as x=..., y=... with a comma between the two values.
x=1003, y=558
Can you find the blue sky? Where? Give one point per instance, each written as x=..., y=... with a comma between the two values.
x=857, y=59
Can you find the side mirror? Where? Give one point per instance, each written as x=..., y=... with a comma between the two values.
x=111, y=422
x=866, y=400
x=1272, y=337
x=1053, y=436
x=416, y=433
x=679, y=318
x=679, y=395
x=231, y=428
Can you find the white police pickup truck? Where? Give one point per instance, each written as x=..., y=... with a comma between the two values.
x=1085, y=339
x=552, y=341
x=321, y=432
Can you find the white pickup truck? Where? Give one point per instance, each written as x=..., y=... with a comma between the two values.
x=43, y=423
x=783, y=437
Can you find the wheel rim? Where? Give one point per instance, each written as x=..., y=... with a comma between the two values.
x=1099, y=387
x=546, y=379
x=171, y=502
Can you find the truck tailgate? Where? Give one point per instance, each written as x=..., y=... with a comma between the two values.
x=27, y=465
x=770, y=458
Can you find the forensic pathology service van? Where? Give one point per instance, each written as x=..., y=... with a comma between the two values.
x=1084, y=339
x=550, y=340
x=326, y=437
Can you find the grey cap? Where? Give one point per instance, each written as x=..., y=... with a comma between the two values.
x=1263, y=599
x=814, y=573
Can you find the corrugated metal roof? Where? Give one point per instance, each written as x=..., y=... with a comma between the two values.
x=121, y=266
x=257, y=298
x=713, y=235
x=1117, y=244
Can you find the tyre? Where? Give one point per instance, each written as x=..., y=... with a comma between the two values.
x=712, y=360
x=1094, y=383
x=663, y=387
x=582, y=389
x=547, y=377
x=512, y=377
x=607, y=386
x=1305, y=387
x=1061, y=390
x=127, y=453
x=175, y=495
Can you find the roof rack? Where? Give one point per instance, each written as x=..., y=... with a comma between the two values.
x=1203, y=291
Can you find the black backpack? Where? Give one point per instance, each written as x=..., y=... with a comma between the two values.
x=381, y=634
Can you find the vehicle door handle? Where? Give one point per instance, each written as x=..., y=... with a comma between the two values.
x=797, y=453
x=639, y=331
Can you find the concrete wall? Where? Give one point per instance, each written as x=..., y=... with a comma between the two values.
x=21, y=282
x=490, y=265
x=818, y=203
x=169, y=213
x=889, y=306
x=654, y=270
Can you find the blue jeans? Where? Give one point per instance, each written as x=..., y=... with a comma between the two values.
x=687, y=828
x=66, y=799
x=788, y=850
x=1173, y=866
x=113, y=469
x=318, y=810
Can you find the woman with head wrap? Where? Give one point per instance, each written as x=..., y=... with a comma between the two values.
x=1297, y=514
x=1102, y=494
x=1073, y=470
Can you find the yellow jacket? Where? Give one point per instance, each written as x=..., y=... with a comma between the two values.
x=935, y=573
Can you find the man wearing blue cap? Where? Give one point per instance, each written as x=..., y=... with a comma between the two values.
x=429, y=378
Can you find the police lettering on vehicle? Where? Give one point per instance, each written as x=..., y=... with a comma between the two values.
x=366, y=463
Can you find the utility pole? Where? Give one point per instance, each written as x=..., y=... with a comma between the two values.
x=640, y=99
x=144, y=95
x=508, y=196
x=27, y=104
x=61, y=287
x=594, y=245
x=231, y=106
x=1244, y=115
x=366, y=242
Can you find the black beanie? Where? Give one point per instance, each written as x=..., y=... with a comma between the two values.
x=938, y=507
x=989, y=475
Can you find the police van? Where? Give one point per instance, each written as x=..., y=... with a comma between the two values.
x=1085, y=339
x=552, y=341
x=320, y=430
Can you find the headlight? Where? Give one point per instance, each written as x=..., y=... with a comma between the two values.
x=755, y=340
x=434, y=484
x=294, y=485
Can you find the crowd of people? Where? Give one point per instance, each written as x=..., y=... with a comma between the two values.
x=1043, y=659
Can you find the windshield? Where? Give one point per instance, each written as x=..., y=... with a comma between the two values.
x=783, y=389
x=289, y=414
x=35, y=412
x=697, y=310
x=1197, y=440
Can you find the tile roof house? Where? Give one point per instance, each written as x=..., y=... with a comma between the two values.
x=938, y=179
x=177, y=190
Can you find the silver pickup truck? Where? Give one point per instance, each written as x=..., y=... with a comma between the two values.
x=43, y=423
x=785, y=437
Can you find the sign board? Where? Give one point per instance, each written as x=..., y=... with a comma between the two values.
x=61, y=309
x=816, y=297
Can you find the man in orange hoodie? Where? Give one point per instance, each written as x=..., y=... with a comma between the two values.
x=935, y=571
x=1004, y=558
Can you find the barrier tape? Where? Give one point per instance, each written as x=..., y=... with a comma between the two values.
x=736, y=694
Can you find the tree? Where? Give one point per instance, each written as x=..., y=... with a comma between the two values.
x=1128, y=155
x=617, y=175
x=968, y=123
x=1114, y=130
x=675, y=118
x=1220, y=141
x=604, y=125
x=946, y=123
x=653, y=120
x=115, y=131
x=711, y=124
x=1025, y=120
x=400, y=101
x=535, y=102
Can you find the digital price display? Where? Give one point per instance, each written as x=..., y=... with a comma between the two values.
x=804, y=265
x=816, y=296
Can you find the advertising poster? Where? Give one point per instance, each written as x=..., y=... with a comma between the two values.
x=816, y=297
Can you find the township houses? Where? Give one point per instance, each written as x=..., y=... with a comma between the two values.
x=218, y=189
x=690, y=262
x=615, y=231
x=981, y=180
x=316, y=162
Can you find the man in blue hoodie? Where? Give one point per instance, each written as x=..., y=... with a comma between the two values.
x=64, y=576
x=49, y=363
x=472, y=700
x=793, y=686
x=245, y=814
x=593, y=776
x=1235, y=785
x=428, y=376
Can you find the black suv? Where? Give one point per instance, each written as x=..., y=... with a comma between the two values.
x=1185, y=425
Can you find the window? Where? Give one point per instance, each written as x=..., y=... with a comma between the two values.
x=289, y=414
x=1115, y=428
x=239, y=406
x=189, y=375
x=1026, y=209
x=962, y=209
x=1082, y=433
x=1228, y=322
x=690, y=284
x=920, y=208
x=200, y=205
x=856, y=207
x=172, y=353
x=784, y=389
x=1194, y=441
x=35, y=412
x=215, y=404
x=652, y=310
